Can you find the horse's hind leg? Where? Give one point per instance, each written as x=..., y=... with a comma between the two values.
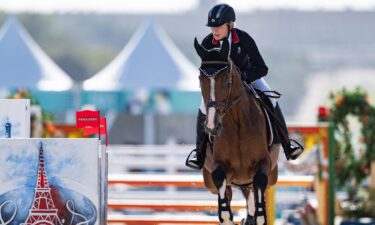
x=250, y=205
x=225, y=213
x=260, y=182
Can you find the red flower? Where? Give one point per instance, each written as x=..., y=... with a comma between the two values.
x=323, y=113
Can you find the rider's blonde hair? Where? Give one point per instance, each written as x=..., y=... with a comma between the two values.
x=231, y=25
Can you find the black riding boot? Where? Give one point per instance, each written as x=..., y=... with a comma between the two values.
x=195, y=159
x=291, y=151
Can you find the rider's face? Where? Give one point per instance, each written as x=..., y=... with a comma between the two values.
x=220, y=32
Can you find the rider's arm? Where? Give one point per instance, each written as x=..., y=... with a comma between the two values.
x=257, y=68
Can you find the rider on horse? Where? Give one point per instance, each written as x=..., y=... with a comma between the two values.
x=247, y=58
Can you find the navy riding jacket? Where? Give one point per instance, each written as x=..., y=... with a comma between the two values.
x=244, y=53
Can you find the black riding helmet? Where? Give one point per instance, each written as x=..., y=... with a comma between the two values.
x=220, y=14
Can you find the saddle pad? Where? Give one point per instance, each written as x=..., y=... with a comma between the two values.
x=269, y=126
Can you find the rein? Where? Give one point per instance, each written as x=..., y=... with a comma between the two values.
x=230, y=75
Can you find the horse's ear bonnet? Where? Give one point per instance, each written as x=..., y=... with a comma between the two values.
x=202, y=52
x=219, y=55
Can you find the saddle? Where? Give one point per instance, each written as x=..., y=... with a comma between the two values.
x=272, y=120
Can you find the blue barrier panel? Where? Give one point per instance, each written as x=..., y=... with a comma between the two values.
x=120, y=101
x=55, y=101
x=185, y=101
x=105, y=101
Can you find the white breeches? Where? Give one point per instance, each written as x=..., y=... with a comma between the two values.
x=260, y=84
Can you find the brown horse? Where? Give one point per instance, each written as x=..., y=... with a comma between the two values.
x=238, y=154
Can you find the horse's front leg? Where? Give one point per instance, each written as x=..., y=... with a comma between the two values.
x=225, y=213
x=260, y=182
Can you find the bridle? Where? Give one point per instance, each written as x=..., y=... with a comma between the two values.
x=227, y=105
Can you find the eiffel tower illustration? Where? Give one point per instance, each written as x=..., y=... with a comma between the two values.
x=43, y=211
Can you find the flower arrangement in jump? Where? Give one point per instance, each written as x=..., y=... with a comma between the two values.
x=355, y=159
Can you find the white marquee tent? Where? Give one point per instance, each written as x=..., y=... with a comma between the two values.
x=24, y=64
x=150, y=60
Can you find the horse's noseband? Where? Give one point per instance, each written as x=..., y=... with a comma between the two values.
x=215, y=104
x=211, y=103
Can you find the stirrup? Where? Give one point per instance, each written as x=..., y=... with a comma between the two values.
x=293, y=152
x=194, y=161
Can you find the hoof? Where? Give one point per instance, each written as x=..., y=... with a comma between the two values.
x=248, y=221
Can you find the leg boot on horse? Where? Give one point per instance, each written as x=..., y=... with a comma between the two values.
x=224, y=211
x=291, y=151
x=260, y=183
x=196, y=157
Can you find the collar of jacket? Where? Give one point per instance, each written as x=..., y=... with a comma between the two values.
x=235, y=38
